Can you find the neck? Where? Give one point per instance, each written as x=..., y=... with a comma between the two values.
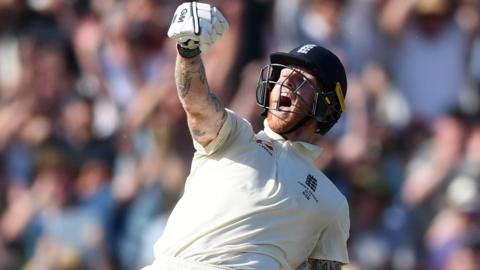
x=305, y=133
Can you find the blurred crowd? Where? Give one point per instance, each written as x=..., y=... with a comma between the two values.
x=94, y=147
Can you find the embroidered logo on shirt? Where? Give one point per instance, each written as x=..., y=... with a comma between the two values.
x=311, y=182
x=265, y=145
x=309, y=186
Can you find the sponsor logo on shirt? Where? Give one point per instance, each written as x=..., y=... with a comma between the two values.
x=310, y=185
x=266, y=145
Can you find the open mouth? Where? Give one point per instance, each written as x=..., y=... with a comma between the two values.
x=285, y=101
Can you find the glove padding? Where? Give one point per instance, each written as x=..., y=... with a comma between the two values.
x=197, y=25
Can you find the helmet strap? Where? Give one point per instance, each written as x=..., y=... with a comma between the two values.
x=265, y=112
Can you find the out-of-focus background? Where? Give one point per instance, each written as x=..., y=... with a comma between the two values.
x=94, y=147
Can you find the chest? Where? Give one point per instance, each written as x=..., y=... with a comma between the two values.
x=266, y=173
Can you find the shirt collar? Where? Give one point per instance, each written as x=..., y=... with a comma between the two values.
x=308, y=150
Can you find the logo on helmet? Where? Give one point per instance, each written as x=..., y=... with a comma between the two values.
x=306, y=48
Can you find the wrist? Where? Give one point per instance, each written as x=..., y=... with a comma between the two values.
x=187, y=53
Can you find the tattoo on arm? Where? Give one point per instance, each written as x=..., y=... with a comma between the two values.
x=313, y=264
x=205, y=112
x=216, y=101
x=203, y=76
x=184, y=75
x=184, y=82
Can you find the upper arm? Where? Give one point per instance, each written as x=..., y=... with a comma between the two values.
x=205, y=112
x=315, y=264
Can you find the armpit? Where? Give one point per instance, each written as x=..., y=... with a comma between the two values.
x=314, y=264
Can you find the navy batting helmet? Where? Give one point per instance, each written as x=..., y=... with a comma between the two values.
x=326, y=68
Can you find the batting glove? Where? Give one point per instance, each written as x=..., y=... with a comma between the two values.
x=197, y=25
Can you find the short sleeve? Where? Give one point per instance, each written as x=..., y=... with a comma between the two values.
x=332, y=243
x=235, y=129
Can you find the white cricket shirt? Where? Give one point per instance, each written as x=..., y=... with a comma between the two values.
x=256, y=201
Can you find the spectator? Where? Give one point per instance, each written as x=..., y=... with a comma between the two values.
x=428, y=54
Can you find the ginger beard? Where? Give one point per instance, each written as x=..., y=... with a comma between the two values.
x=286, y=107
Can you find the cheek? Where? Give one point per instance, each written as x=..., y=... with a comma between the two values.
x=273, y=94
x=303, y=101
x=308, y=97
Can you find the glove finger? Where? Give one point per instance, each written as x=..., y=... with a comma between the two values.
x=218, y=27
x=171, y=32
x=185, y=20
x=206, y=40
x=204, y=11
x=222, y=24
x=206, y=27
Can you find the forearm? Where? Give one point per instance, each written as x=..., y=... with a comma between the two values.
x=314, y=264
x=205, y=113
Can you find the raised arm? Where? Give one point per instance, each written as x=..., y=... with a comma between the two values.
x=205, y=112
x=195, y=27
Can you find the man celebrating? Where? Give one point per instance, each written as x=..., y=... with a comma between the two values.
x=256, y=201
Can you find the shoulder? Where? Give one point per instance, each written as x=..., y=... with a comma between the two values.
x=242, y=123
x=328, y=189
x=335, y=199
x=234, y=131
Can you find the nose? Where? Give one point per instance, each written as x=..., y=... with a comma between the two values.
x=285, y=79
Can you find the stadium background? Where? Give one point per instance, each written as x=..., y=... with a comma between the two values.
x=94, y=147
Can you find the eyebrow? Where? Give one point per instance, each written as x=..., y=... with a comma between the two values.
x=313, y=80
